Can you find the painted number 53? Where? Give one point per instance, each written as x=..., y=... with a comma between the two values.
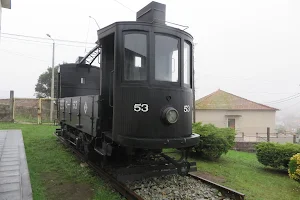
x=186, y=108
x=141, y=107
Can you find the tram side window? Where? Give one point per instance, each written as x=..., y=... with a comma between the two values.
x=166, y=58
x=187, y=64
x=135, y=45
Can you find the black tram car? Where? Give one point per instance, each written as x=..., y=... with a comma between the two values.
x=132, y=93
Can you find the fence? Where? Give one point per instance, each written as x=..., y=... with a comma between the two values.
x=27, y=110
x=247, y=142
x=268, y=137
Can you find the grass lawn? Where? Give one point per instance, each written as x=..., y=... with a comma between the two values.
x=55, y=173
x=25, y=119
x=242, y=172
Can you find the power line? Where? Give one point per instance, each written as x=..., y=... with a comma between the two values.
x=125, y=6
x=276, y=101
x=252, y=92
x=21, y=54
x=290, y=105
x=35, y=41
x=71, y=45
x=285, y=99
x=26, y=36
x=41, y=38
x=233, y=77
x=157, y=19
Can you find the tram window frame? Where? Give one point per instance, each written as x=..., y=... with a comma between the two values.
x=189, y=84
x=144, y=64
x=178, y=39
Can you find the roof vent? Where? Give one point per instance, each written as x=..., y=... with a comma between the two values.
x=154, y=12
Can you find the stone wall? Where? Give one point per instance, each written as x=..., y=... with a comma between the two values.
x=5, y=101
x=27, y=109
x=5, y=115
x=245, y=146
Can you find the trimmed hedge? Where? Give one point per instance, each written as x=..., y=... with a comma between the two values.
x=294, y=167
x=276, y=155
x=213, y=141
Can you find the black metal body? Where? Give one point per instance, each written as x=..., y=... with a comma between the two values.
x=104, y=104
x=70, y=76
x=147, y=129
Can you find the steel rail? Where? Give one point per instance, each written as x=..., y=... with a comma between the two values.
x=120, y=187
x=131, y=195
x=224, y=190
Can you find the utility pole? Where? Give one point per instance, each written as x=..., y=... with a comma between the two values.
x=52, y=80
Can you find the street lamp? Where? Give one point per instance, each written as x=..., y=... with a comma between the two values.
x=52, y=80
x=95, y=21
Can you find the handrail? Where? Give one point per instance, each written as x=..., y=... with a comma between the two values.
x=110, y=87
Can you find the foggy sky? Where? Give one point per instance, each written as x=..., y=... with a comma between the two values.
x=248, y=48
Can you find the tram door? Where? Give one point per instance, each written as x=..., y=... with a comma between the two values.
x=106, y=84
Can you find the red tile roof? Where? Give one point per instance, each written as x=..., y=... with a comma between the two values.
x=221, y=100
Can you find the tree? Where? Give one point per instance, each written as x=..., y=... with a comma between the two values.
x=281, y=129
x=43, y=86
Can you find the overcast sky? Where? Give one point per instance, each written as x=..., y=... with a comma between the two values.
x=248, y=48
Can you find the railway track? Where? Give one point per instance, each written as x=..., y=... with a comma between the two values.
x=131, y=194
x=120, y=187
x=224, y=190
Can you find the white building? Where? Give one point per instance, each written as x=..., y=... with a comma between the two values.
x=227, y=110
x=4, y=4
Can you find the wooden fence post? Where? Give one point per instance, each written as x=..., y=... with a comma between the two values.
x=268, y=134
x=40, y=111
x=294, y=138
x=11, y=106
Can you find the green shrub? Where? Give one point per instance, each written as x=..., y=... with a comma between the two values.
x=294, y=167
x=276, y=155
x=213, y=141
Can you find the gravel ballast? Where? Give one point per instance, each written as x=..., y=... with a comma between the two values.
x=174, y=187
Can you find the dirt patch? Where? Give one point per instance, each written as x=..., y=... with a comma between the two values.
x=58, y=189
x=208, y=176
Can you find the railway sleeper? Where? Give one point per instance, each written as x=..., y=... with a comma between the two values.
x=149, y=164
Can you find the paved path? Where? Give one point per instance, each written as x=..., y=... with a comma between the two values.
x=14, y=176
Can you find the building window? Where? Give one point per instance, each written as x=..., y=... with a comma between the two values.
x=135, y=45
x=231, y=123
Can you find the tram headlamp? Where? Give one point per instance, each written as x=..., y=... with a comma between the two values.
x=170, y=115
